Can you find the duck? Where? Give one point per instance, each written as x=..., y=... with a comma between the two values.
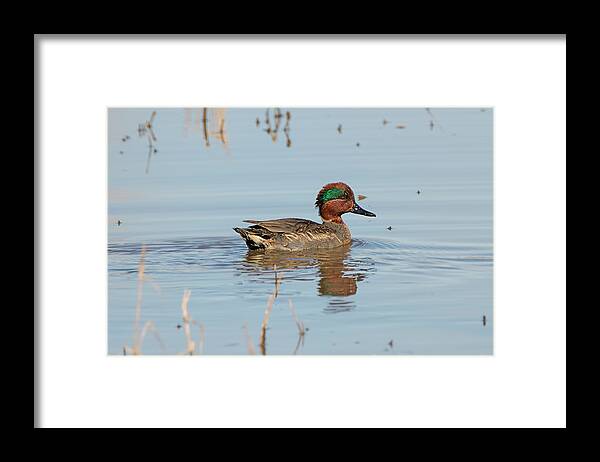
x=293, y=234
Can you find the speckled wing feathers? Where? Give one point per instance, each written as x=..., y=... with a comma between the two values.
x=284, y=225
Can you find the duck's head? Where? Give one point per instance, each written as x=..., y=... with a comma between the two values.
x=335, y=199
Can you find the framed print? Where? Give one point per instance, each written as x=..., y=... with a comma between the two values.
x=300, y=231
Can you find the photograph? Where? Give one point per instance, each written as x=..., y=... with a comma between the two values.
x=300, y=230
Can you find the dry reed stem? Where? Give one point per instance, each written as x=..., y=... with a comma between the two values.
x=190, y=344
x=152, y=134
x=217, y=127
x=286, y=130
x=265, y=321
x=201, y=339
x=249, y=344
x=150, y=326
x=277, y=281
x=277, y=118
x=299, y=324
x=149, y=157
x=136, y=350
x=205, y=131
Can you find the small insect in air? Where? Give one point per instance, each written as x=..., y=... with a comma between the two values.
x=257, y=121
x=389, y=228
x=385, y=122
x=358, y=145
x=484, y=320
x=391, y=343
x=339, y=129
x=418, y=191
x=119, y=222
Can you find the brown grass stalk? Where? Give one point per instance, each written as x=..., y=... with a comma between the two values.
x=190, y=344
x=137, y=337
x=269, y=308
x=299, y=324
x=149, y=326
x=249, y=344
x=201, y=339
x=205, y=127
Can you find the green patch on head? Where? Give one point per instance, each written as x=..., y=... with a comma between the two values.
x=333, y=193
x=330, y=194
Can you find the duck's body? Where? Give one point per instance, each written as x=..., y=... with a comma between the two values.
x=294, y=234
x=333, y=200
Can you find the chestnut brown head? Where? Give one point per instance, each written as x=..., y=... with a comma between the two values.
x=335, y=199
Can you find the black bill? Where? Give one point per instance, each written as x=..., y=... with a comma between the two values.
x=360, y=211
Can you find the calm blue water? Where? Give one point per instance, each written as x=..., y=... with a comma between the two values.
x=421, y=287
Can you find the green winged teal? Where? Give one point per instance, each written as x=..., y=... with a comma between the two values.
x=333, y=200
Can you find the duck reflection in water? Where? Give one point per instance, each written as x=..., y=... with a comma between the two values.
x=337, y=274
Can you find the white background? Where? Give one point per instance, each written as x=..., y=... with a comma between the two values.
x=523, y=384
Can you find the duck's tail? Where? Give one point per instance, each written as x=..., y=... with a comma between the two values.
x=255, y=238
